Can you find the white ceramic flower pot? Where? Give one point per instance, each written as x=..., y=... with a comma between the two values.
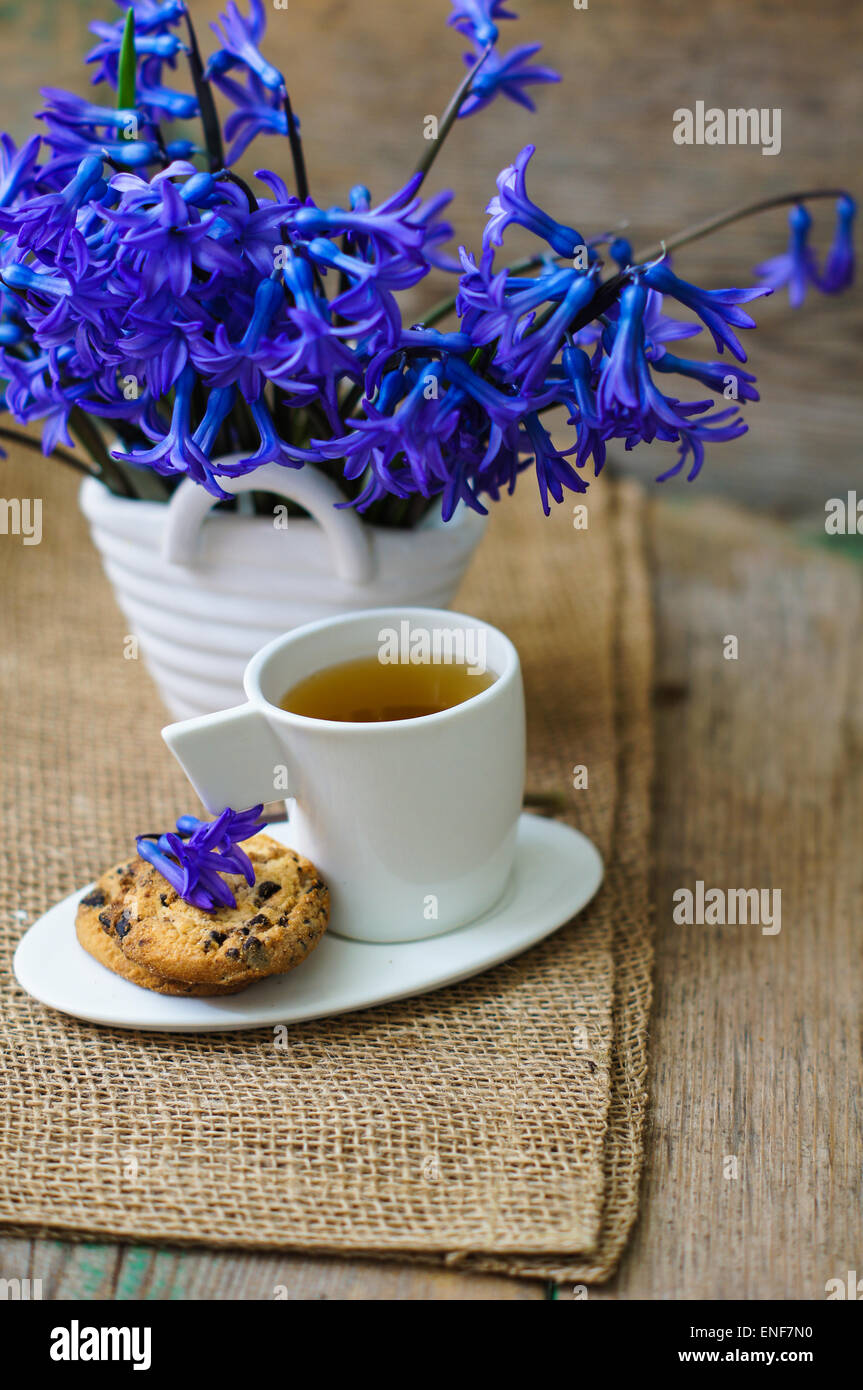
x=203, y=590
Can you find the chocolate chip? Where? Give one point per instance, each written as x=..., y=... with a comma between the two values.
x=163, y=899
x=121, y=926
x=105, y=919
x=254, y=951
x=218, y=936
x=233, y=953
x=266, y=890
x=244, y=931
x=94, y=899
x=257, y=921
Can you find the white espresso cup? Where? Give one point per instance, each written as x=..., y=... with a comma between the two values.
x=411, y=822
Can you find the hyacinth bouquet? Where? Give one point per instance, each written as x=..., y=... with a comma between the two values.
x=177, y=321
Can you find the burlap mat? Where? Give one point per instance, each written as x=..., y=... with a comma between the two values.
x=496, y=1123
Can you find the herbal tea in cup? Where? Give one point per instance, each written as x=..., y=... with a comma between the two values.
x=405, y=784
x=369, y=691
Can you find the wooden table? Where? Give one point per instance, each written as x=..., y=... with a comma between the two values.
x=753, y=1050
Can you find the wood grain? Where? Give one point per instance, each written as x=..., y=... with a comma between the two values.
x=364, y=76
x=121, y=1272
x=755, y=1044
x=755, y=1038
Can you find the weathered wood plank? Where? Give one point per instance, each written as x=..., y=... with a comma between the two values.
x=363, y=78
x=776, y=1086
x=71, y=1270
x=755, y=1038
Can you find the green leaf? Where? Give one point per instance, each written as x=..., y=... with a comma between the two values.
x=128, y=69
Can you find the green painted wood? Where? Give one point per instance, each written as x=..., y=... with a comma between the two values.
x=108, y=1272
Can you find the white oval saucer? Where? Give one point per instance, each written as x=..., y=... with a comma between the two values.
x=557, y=871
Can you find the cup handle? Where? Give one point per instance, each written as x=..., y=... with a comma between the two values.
x=230, y=757
x=347, y=535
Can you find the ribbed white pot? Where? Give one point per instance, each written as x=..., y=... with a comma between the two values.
x=203, y=590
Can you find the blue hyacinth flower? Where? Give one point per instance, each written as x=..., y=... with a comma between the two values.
x=195, y=857
x=717, y=309
x=477, y=19
x=240, y=38
x=796, y=267
x=838, y=271
x=506, y=76
x=512, y=204
x=17, y=167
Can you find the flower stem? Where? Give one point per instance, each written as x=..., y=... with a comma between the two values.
x=701, y=229
x=450, y=115
x=297, y=155
x=229, y=175
x=724, y=219
x=110, y=472
x=62, y=454
x=206, y=104
x=608, y=291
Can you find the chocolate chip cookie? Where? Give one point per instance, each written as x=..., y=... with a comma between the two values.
x=94, y=912
x=275, y=925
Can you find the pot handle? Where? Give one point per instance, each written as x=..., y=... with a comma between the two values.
x=348, y=537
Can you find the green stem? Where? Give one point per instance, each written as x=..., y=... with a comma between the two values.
x=110, y=474
x=701, y=229
x=450, y=115
x=724, y=219
x=608, y=291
